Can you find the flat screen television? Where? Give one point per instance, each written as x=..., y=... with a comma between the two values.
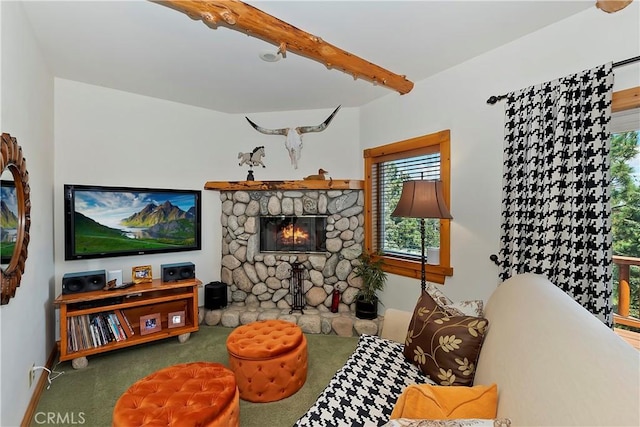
x=8, y=220
x=121, y=221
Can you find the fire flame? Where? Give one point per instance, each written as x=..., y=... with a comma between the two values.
x=294, y=235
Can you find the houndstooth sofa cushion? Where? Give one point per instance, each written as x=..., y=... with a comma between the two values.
x=364, y=391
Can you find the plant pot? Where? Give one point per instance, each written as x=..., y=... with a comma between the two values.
x=365, y=309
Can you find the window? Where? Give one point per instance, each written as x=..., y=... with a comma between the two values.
x=398, y=239
x=625, y=205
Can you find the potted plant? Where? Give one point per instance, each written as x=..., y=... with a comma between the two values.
x=369, y=269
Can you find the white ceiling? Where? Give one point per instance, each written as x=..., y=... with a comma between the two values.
x=149, y=49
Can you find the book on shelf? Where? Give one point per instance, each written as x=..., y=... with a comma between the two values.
x=79, y=334
x=86, y=333
x=95, y=319
x=115, y=323
x=112, y=319
x=121, y=331
x=76, y=334
x=94, y=339
x=82, y=343
x=95, y=330
x=107, y=330
x=125, y=323
x=95, y=322
x=72, y=345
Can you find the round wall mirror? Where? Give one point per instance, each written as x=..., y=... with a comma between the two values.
x=15, y=215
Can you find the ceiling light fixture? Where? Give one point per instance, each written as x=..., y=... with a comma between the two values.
x=270, y=56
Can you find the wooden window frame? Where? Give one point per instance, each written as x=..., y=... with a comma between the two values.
x=626, y=99
x=394, y=265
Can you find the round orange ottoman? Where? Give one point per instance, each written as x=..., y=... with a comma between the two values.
x=186, y=395
x=269, y=358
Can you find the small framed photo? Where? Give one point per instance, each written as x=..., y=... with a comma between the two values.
x=150, y=324
x=175, y=319
x=142, y=274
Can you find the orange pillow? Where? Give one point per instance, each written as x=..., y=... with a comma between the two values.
x=426, y=401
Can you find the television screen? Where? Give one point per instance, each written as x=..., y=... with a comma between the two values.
x=118, y=221
x=8, y=220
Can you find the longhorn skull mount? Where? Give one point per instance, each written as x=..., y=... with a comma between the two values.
x=293, y=136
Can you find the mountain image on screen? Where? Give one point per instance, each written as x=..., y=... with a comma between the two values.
x=153, y=227
x=161, y=221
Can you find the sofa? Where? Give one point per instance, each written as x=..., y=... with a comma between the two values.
x=553, y=362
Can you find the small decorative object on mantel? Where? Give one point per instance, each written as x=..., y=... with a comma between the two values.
x=253, y=158
x=321, y=175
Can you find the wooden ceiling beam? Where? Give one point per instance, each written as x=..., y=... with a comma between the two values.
x=239, y=16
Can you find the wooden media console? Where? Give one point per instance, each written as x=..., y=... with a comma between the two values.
x=100, y=321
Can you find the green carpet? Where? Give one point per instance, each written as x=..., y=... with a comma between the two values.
x=87, y=396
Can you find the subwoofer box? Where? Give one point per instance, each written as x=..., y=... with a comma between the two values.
x=178, y=271
x=215, y=295
x=84, y=281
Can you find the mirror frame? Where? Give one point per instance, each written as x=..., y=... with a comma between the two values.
x=13, y=160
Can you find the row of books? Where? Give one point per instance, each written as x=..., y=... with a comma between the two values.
x=95, y=330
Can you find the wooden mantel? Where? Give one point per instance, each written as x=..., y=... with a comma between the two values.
x=316, y=184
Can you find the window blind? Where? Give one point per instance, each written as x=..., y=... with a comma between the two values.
x=386, y=180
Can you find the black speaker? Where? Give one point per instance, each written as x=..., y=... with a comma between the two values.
x=84, y=281
x=178, y=271
x=215, y=295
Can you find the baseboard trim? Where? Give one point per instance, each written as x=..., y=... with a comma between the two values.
x=39, y=388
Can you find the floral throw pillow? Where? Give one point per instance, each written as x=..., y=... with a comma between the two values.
x=445, y=347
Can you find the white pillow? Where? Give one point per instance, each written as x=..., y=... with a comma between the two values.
x=462, y=308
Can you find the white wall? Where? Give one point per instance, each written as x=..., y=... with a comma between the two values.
x=115, y=138
x=26, y=323
x=456, y=99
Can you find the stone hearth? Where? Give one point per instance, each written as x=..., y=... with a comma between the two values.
x=259, y=283
x=313, y=321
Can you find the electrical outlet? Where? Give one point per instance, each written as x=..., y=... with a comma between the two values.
x=32, y=374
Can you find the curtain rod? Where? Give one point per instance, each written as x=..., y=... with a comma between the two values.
x=493, y=99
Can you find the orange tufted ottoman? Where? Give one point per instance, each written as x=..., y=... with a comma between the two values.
x=186, y=395
x=269, y=358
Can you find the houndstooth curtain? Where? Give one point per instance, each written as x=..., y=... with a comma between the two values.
x=555, y=201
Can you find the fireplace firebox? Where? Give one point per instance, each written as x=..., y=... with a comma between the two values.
x=293, y=233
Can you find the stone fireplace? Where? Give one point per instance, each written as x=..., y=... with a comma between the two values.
x=269, y=228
